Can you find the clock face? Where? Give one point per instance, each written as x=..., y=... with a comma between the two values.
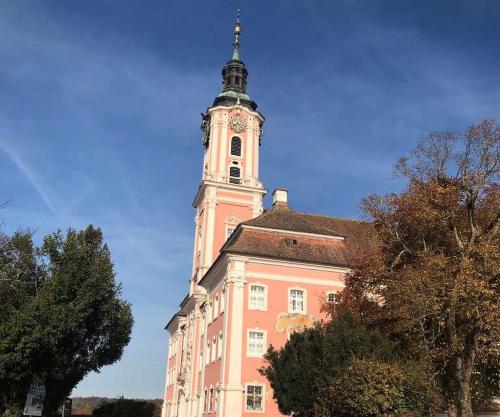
x=237, y=123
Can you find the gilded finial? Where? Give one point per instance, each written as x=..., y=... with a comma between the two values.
x=236, y=43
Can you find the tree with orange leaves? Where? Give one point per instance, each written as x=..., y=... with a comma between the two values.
x=433, y=285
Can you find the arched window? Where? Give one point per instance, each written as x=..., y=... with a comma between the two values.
x=234, y=175
x=237, y=80
x=236, y=146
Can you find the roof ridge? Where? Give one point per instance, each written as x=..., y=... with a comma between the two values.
x=334, y=217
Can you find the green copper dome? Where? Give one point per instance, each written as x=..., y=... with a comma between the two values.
x=234, y=75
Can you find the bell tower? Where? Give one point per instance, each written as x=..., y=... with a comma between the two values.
x=230, y=191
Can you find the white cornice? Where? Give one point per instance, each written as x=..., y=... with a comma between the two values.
x=289, y=263
x=173, y=324
x=295, y=279
x=225, y=186
x=209, y=280
x=236, y=106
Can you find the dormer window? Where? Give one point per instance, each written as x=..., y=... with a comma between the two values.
x=236, y=146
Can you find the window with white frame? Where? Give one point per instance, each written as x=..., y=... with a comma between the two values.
x=211, y=399
x=331, y=297
x=200, y=364
x=219, y=345
x=254, y=398
x=256, y=343
x=257, y=297
x=205, y=401
x=222, y=301
x=216, y=307
x=296, y=301
x=214, y=349
x=207, y=359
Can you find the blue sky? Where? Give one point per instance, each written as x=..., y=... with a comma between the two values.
x=100, y=110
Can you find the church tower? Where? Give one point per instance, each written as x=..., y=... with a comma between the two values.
x=230, y=191
x=257, y=276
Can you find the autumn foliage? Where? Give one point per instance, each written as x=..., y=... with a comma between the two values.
x=433, y=284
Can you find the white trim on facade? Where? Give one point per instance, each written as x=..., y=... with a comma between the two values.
x=288, y=263
x=294, y=279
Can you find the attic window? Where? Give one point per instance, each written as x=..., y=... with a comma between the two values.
x=291, y=242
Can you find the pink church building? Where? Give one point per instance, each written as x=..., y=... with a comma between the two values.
x=258, y=274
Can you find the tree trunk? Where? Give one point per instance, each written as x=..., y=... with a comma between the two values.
x=452, y=410
x=464, y=401
x=464, y=366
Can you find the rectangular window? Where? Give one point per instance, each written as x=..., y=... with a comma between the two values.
x=257, y=297
x=331, y=297
x=211, y=400
x=205, y=401
x=234, y=175
x=296, y=301
x=255, y=343
x=210, y=312
x=214, y=349
x=254, y=397
x=222, y=300
x=207, y=359
x=216, y=307
x=219, y=346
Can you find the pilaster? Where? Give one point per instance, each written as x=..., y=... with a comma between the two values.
x=232, y=390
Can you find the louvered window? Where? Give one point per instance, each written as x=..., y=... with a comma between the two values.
x=234, y=175
x=236, y=146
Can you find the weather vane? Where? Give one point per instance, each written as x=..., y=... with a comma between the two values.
x=237, y=31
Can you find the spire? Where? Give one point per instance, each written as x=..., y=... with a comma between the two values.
x=236, y=43
x=234, y=76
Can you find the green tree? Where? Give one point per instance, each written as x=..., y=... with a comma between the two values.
x=303, y=371
x=62, y=315
x=128, y=408
x=433, y=285
x=371, y=388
